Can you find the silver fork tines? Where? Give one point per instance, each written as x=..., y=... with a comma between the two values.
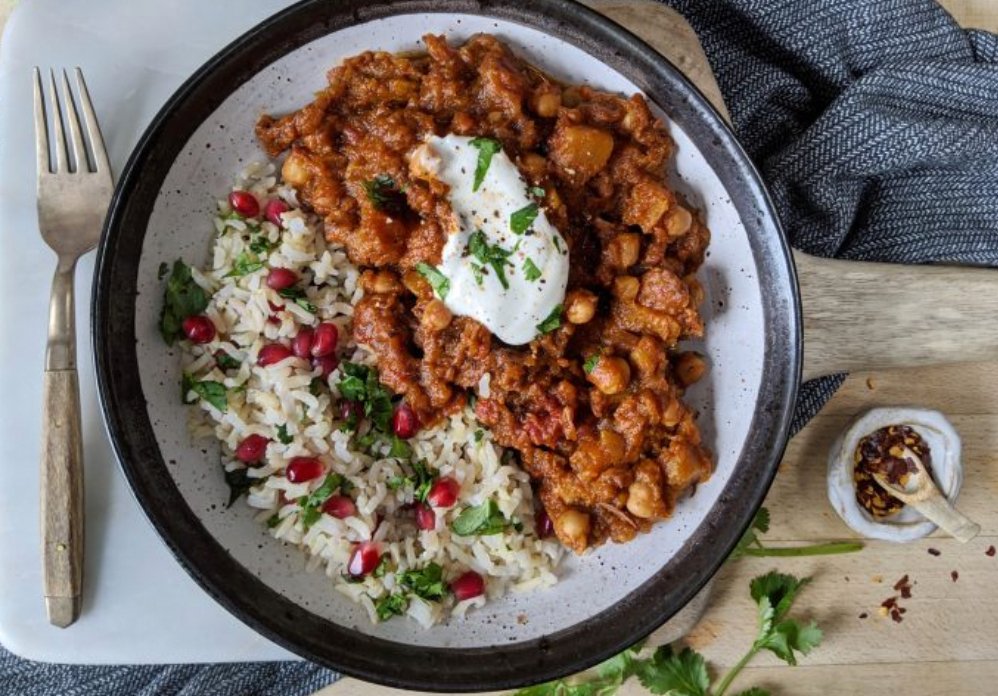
x=73, y=195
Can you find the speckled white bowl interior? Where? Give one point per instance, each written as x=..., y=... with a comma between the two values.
x=180, y=226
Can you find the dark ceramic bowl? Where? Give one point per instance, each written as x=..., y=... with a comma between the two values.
x=605, y=600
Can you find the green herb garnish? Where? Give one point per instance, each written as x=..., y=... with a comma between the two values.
x=437, y=280
x=298, y=296
x=273, y=521
x=482, y=520
x=530, y=270
x=164, y=268
x=556, y=239
x=426, y=583
x=552, y=322
x=522, y=219
x=478, y=273
x=391, y=605
x=750, y=545
x=311, y=505
x=382, y=567
x=385, y=194
x=246, y=263
x=487, y=147
x=239, y=484
x=685, y=673
x=182, y=298
x=226, y=361
x=421, y=480
x=213, y=392
x=590, y=364
x=399, y=448
x=479, y=434
x=360, y=383
x=538, y=191
x=490, y=255
x=262, y=245
x=282, y=434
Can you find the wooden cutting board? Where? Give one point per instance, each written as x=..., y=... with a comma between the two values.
x=948, y=643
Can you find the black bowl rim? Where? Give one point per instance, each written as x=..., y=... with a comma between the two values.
x=352, y=652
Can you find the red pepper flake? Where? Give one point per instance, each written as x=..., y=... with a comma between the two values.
x=863, y=615
x=896, y=615
x=955, y=575
x=935, y=552
x=889, y=603
x=990, y=551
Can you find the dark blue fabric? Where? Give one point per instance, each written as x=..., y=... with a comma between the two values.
x=875, y=124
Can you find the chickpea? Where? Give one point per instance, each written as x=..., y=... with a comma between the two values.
x=534, y=164
x=646, y=355
x=294, y=170
x=384, y=281
x=571, y=97
x=626, y=288
x=611, y=375
x=415, y=283
x=613, y=445
x=689, y=368
x=625, y=248
x=574, y=525
x=641, y=499
x=436, y=316
x=679, y=221
x=580, y=306
x=546, y=104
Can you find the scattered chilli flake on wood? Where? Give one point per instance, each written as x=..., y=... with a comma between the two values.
x=955, y=575
x=890, y=606
x=934, y=552
x=990, y=551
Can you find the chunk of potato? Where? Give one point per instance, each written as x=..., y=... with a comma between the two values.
x=581, y=151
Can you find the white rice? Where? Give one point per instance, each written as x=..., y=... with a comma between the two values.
x=261, y=399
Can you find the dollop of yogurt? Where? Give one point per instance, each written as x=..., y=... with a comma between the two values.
x=505, y=264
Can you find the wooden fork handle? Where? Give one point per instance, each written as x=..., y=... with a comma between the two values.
x=62, y=459
x=62, y=497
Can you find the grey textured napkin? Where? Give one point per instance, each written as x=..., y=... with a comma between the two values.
x=875, y=124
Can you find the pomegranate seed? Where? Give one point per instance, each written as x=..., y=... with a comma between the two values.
x=340, y=506
x=467, y=586
x=326, y=337
x=350, y=410
x=443, y=492
x=272, y=211
x=301, y=344
x=543, y=524
x=326, y=363
x=404, y=421
x=273, y=353
x=301, y=469
x=198, y=328
x=363, y=559
x=281, y=278
x=274, y=307
x=252, y=449
x=425, y=517
x=244, y=203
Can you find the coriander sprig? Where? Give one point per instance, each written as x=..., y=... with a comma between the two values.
x=686, y=673
x=749, y=544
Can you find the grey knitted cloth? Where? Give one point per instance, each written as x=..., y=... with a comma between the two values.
x=875, y=124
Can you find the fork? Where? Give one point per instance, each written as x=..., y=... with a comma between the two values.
x=73, y=196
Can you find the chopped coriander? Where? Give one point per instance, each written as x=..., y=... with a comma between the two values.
x=522, y=219
x=316, y=385
x=557, y=243
x=400, y=449
x=538, y=191
x=382, y=567
x=479, y=434
x=750, y=545
x=385, y=195
x=481, y=519
x=487, y=148
x=552, y=322
x=226, y=361
x=182, y=298
x=262, y=245
x=311, y=505
x=246, y=263
x=590, y=364
x=239, y=484
x=421, y=480
x=273, y=521
x=530, y=270
x=164, y=268
x=490, y=254
x=437, y=280
x=426, y=583
x=282, y=434
x=478, y=273
x=213, y=392
x=391, y=605
x=360, y=383
x=298, y=296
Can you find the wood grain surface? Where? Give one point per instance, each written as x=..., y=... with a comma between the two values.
x=947, y=643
